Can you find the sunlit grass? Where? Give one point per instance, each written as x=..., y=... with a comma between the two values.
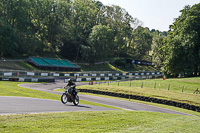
x=100, y=121
x=12, y=89
x=155, y=88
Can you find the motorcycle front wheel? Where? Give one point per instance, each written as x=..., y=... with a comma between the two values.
x=76, y=100
x=64, y=98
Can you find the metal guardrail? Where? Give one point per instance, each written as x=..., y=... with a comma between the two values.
x=38, y=74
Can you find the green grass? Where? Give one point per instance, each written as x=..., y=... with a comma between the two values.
x=99, y=67
x=17, y=65
x=110, y=67
x=23, y=65
x=174, y=93
x=187, y=84
x=100, y=121
x=12, y=89
x=143, y=102
x=27, y=66
x=148, y=103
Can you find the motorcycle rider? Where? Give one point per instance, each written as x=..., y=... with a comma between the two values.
x=72, y=85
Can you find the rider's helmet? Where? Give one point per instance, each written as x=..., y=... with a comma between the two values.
x=69, y=80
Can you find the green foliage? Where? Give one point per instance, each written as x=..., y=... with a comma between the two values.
x=101, y=40
x=8, y=39
x=86, y=30
x=180, y=49
x=143, y=41
x=119, y=62
x=158, y=48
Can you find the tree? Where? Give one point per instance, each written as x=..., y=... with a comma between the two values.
x=143, y=41
x=69, y=28
x=77, y=29
x=101, y=39
x=183, y=43
x=122, y=24
x=158, y=50
x=8, y=40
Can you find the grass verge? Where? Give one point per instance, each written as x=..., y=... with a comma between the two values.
x=160, y=92
x=149, y=103
x=143, y=102
x=12, y=89
x=100, y=121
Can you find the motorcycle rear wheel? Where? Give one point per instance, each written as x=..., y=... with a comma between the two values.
x=64, y=98
x=76, y=100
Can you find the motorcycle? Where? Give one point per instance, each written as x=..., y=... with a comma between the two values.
x=70, y=95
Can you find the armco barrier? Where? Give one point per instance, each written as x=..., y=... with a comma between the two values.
x=18, y=73
x=79, y=76
x=143, y=98
x=29, y=79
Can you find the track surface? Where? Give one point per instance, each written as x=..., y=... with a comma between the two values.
x=48, y=87
x=23, y=105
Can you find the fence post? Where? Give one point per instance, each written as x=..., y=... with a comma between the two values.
x=142, y=85
x=2, y=74
x=168, y=86
x=182, y=88
x=155, y=85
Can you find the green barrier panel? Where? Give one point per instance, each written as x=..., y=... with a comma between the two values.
x=102, y=78
x=1, y=73
x=40, y=80
x=27, y=80
x=83, y=79
x=93, y=79
x=62, y=74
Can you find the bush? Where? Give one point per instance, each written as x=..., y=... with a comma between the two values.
x=119, y=62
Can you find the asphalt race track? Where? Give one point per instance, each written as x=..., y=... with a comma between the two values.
x=24, y=105
x=19, y=105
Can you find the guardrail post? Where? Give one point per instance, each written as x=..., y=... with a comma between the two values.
x=168, y=86
x=182, y=88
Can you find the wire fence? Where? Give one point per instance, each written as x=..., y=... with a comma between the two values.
x=157, y=84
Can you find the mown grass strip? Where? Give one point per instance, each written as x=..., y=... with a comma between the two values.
x=12, y=89
x=148, y=103
x=134, y=88
x=100, y=121
x=143, y=102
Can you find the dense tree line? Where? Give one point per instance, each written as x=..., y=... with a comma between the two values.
x=79, y=29
x=179, y=52
x=90, y=31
